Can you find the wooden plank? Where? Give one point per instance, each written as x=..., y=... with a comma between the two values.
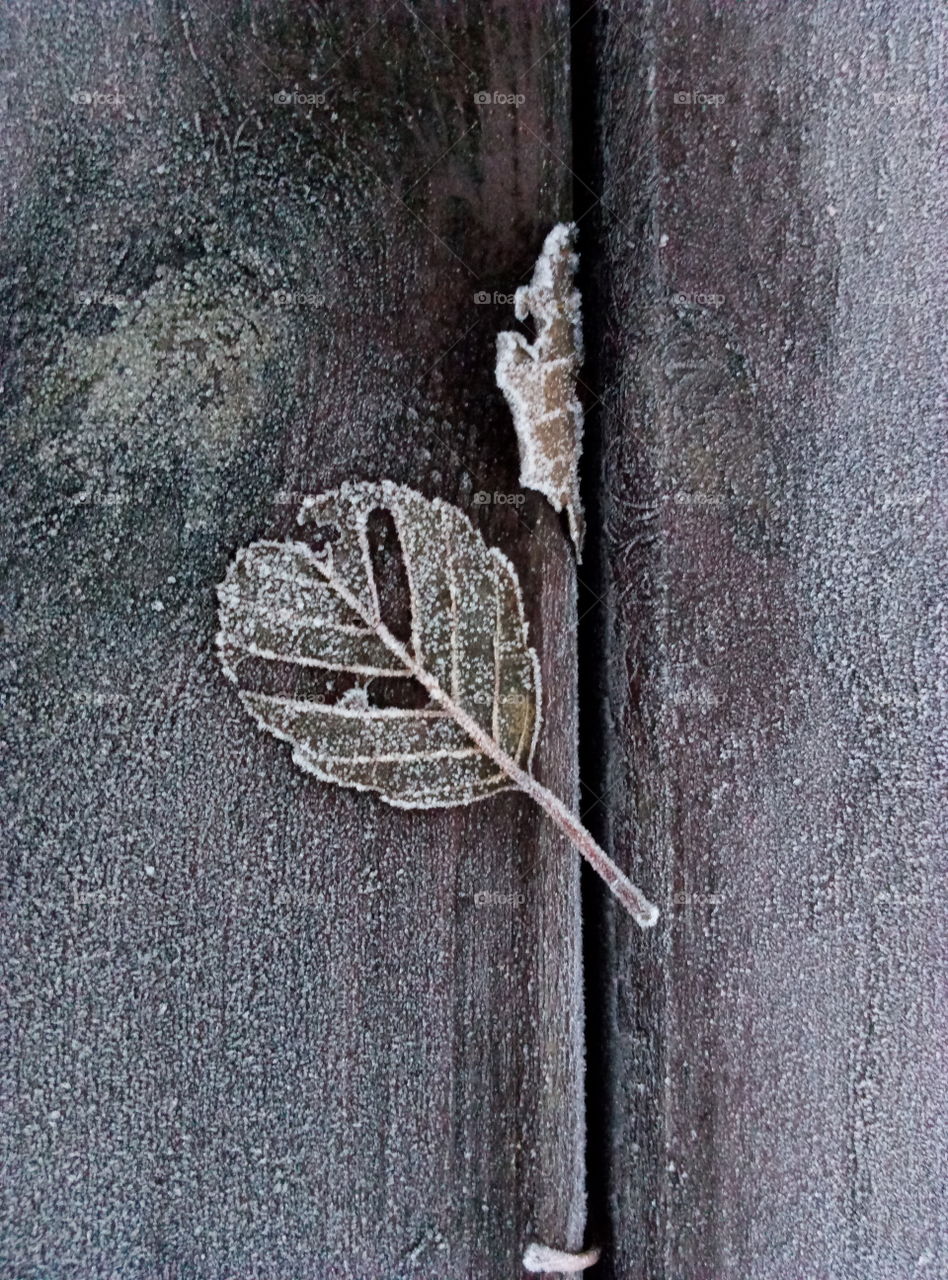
x=261, y=1026
x=773, y=471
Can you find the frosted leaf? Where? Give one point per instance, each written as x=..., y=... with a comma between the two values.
x=539, y=379
x=285, y=602
x=293, y=604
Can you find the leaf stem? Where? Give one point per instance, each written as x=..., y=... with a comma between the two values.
x=644, y=913
x=632, y=898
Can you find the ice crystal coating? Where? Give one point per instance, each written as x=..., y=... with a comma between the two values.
x=286, y=602
x=539, y=379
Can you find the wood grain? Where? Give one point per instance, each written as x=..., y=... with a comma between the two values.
x=772, y=477
x=260, y=1027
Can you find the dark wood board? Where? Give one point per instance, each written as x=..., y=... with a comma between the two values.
x=259, y=1027
x=772, y=477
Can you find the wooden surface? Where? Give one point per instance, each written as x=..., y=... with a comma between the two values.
x=260, y=1027
x=772, y=479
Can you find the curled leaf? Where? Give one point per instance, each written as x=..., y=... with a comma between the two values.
x=539, y=379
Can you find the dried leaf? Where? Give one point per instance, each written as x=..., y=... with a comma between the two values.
x=539, y=379
x=295, y=605
x=285, y=602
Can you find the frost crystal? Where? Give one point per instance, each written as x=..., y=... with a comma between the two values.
x=539, y=379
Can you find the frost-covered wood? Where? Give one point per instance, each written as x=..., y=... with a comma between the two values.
x=260, y=1026
x=773, y=486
